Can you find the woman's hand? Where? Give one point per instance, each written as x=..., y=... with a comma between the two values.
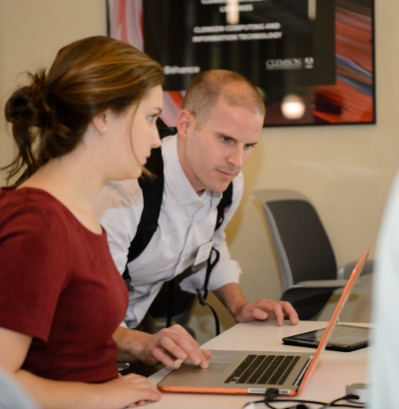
x=127, y=391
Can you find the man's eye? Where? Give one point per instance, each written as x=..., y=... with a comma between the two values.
x=226, y=139
x=249, y=146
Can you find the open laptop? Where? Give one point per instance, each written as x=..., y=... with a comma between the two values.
x=253, y=372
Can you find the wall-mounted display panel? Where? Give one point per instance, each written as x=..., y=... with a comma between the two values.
x=312, y=60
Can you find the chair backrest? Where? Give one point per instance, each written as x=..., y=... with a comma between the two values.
x=302, y=247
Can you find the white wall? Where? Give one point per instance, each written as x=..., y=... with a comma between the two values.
x=31, y=32
x=345, y=170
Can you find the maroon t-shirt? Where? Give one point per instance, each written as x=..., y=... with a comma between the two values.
x=59, y=284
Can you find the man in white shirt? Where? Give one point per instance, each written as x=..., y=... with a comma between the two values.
x=217, y=128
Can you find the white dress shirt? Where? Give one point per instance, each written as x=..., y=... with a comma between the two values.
x=186, y=222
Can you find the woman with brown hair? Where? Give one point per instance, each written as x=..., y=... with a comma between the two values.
x=88, y=120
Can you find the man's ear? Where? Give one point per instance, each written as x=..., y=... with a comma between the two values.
x=185, y=123
x=100, y=122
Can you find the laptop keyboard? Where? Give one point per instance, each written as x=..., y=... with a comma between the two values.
x=263, y=369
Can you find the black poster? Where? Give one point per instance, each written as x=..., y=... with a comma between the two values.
x=317, y=52
x=279, y=44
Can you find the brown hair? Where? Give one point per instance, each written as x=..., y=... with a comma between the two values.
x=208, y=87
x=50, y=116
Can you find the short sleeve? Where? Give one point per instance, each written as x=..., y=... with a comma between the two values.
x=33, y=270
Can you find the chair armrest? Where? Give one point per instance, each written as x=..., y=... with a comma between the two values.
x=345, y=271
x=322, y=284
x=310, y=297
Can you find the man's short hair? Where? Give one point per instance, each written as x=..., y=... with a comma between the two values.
x=207, y=88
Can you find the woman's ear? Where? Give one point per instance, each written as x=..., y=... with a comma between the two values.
x=100, y=122
x=185, y=123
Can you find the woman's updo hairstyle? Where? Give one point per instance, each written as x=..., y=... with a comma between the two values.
x=50, y=115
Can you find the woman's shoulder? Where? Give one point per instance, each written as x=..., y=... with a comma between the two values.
x=31, y=207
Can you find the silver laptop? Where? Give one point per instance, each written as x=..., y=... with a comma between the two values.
x=252, y=372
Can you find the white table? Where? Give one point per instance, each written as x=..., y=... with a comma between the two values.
x=334, y=371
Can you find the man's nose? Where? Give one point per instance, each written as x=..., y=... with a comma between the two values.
x=236, y=157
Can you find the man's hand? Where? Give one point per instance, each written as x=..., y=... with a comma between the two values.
x=233, y=298
x=264, y=309
x=166, y=346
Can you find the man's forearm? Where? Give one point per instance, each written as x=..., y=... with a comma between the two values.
x=232, y=297
x=129, y=343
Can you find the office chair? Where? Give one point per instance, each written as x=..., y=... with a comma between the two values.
x=305, y=256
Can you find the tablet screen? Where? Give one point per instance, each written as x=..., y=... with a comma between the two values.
x=344, y=338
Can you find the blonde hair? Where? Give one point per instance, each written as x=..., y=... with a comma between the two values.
x=207, y=88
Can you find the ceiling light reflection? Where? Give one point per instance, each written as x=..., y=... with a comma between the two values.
x=293, y=106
